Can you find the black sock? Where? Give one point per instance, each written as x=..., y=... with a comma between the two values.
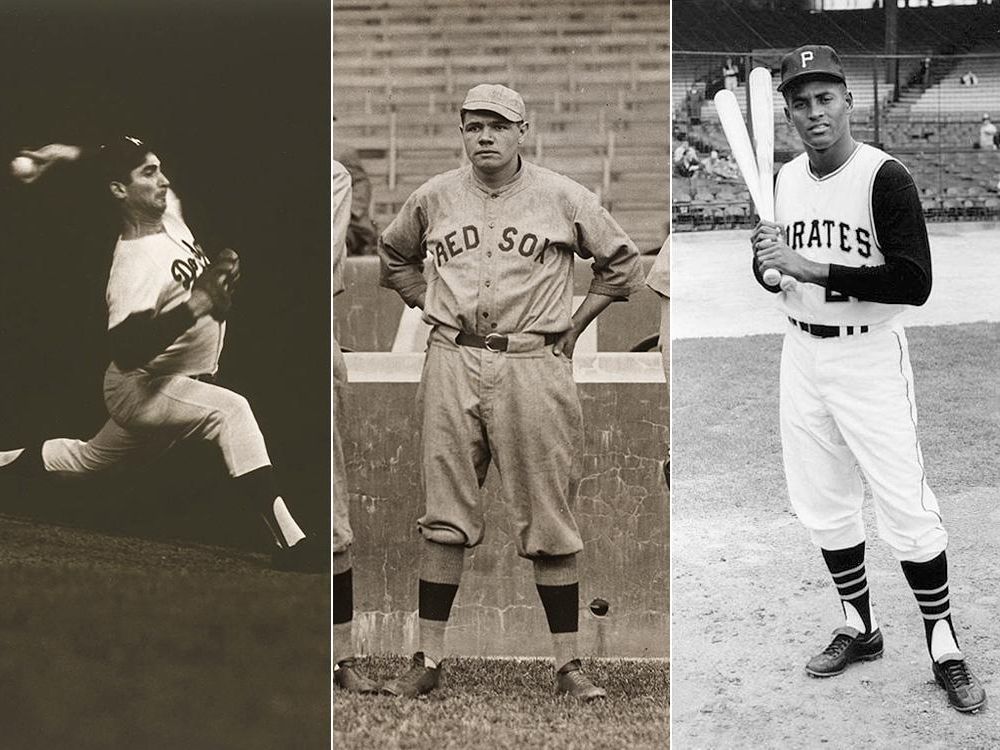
x=847, y=567
x=342, y=587
x=561, y=604
x=259, y=487
x=929, y=582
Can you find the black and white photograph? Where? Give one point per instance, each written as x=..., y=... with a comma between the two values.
x=500, y=568
x=165, y=343
x=835, y=232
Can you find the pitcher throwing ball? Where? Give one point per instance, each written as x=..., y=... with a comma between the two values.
x=167, y=305
x=849, y=228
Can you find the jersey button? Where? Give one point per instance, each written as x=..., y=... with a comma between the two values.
x=489, y=253
x=493, y=195
x=492, y=224
x=493, y=325
x=486, y=315
x=487, y=283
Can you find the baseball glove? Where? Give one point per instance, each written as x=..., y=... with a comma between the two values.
x=213, y=283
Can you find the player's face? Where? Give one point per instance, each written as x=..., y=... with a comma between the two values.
x=145, y=194
x=491, y=141
x=820, y=111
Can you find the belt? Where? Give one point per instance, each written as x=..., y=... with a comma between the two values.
x=827, y=332
x=495, y=342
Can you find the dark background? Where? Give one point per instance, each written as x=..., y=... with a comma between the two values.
x=234, y=98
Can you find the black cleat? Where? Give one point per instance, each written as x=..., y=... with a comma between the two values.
x=348, y=678
x=418, y=680
x=965, y=693
x=307, y=556
x=571, y=680
x=847, y=646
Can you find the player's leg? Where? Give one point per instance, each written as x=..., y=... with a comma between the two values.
x=906, y=509
x=826, y=493
x=535, y=425
x=181, y=408
x=454, y=458
x=345, y=673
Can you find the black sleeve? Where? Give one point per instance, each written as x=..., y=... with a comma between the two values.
x=899, y=223
x=141, y=337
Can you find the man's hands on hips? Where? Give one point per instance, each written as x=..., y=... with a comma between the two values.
x=771, y=251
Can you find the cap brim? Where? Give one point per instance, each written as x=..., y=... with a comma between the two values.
x=810, y=74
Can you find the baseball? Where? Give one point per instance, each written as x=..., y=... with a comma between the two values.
x=599, y=607
x=772, y=277
x=22, y=167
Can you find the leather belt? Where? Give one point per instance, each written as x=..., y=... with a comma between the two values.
x=827, y=332
x=495, y=342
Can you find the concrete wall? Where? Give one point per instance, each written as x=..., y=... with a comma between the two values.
x=622, y=509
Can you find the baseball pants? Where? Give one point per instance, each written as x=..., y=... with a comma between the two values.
x=150, y=413
x=847, y=410
x=519, y=410
x=342, y=535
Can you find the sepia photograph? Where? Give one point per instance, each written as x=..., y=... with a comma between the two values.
x=836, y=220
x=500, y=569
x=165, y=345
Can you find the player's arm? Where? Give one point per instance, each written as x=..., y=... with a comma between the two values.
x=616, y=267
x=137, y=338
x=904, y=278
x=401, y=253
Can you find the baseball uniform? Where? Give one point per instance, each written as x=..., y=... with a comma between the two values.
x=340, y=200
x=501, y=262
x=849, y=227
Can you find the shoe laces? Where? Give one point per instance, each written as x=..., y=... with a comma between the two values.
x=838, y=645
x=958, y=673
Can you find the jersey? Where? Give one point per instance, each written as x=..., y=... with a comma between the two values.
x=830, y=219
x=156, y=273
x=658, y=278
x=502, y=258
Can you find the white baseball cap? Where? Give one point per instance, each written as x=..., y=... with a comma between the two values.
x=494, y=97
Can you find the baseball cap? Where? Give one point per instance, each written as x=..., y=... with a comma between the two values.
x=493, y=97
x=120, y=156
x=810, y=60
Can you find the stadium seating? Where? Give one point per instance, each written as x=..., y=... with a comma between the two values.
x=594, y=75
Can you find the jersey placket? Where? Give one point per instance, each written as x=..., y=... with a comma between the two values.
x=486, y=312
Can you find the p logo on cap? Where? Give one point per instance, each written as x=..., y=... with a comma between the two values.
x=810, y=60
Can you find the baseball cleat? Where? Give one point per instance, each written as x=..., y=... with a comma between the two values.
x=847, y=646
x=965, y=693
x=307, y=556
x=348, y=678
x=571, y=680
x=420, y=679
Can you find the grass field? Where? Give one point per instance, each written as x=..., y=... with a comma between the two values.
x=120, y=642
x=752, y=600
x=504, y=703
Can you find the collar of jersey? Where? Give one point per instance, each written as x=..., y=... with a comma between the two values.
x=838, y=170
x=516, y=180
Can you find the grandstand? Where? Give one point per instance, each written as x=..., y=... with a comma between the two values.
x=594, y=76
x=912, y=103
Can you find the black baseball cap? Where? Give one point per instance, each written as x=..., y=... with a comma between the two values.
x=120, y=155
x=810, y=60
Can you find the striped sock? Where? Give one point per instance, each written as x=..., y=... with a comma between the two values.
x=929, y=582
x=847, y=567
x=440, y=575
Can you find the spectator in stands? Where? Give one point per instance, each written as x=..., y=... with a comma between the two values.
x=987, y=135
x=694, y=101
x=730, y=74
x=689, y=163
x=925, y=72
x=362, y=234
x=969, y=79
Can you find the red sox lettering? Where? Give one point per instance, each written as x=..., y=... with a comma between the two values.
x=526, y=244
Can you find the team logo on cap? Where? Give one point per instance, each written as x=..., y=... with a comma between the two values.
x=133, y=141
x=807, y=57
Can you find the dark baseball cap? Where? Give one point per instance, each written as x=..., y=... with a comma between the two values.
x=810, y=60
x=120, y=155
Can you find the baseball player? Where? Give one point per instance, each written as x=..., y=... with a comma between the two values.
x=167, y=305
x=849, y=228
x=500, y=235
x=345, y=674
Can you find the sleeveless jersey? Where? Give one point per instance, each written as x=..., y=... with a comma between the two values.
x=155, y=273
x=830, y=220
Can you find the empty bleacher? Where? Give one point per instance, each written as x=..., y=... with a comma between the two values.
x=594, y=76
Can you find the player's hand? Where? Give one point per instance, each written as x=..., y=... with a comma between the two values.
x=45, y=157
x=771, y=251
x=229, y=261
x=210, y=295
x=566, y=343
